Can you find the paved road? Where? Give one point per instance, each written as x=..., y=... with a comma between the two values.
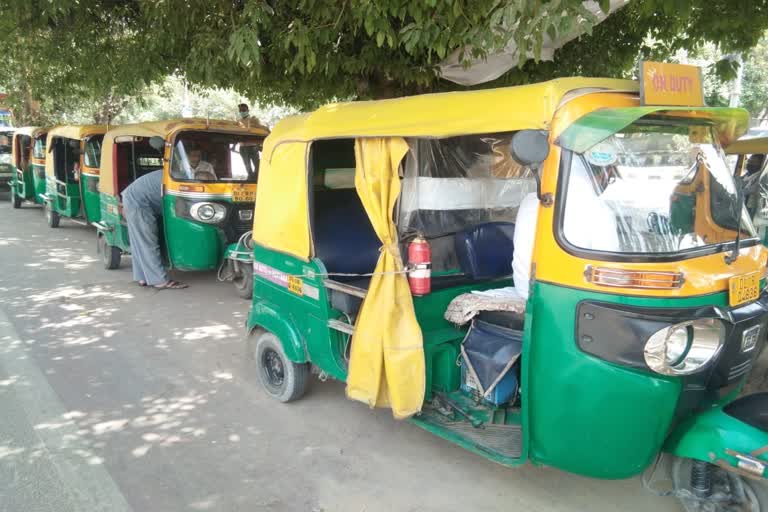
x=117, y=398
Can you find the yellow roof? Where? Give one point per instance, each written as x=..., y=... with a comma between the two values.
x=748, y=146
x=163, y=129
x=443, y=114
x=31, y=131
x=77, y=131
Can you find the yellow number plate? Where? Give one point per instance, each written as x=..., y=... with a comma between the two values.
x=744, y=288
x=295, y=285
x=243, y=195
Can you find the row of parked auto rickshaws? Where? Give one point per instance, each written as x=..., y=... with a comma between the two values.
x=384, y=237
x=79, y=172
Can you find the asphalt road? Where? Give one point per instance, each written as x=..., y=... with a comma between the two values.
x=118, y=398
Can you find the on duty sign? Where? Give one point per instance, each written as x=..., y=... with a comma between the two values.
x=671, y=84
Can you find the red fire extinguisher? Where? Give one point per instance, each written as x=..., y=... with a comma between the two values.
x=420, y=266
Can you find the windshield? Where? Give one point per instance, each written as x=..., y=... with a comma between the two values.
x=5, y=142
x=93, y=151
x=653, y=187
x=212, y=157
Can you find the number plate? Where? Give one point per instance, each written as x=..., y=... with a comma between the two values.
x=243, y=195
x=295, y=285
x=744, y=288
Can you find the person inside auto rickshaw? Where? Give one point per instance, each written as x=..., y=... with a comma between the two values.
x=201, y=170
x=754, y=167
x=143, y=205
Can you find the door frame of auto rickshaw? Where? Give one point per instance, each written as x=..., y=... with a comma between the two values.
x=749, y=146
x=24, y=185
x=71, y=193
x=189, y=244
x=582, y=407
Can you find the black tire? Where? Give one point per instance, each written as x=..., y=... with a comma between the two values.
x=51, y=216
x=16, y=200
x=110, y=255
x=281, y=378
x=756, y=491
x=243, y=281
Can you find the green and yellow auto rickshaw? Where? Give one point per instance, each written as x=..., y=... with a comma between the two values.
x=6, y=167
x=28, y=160
x=639, y=311
x=210, y=169
x=72, y=173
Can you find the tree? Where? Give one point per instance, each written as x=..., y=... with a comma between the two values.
x=308, y=52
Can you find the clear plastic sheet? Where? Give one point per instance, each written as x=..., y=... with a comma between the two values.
x=652, y=188
x=455, y=183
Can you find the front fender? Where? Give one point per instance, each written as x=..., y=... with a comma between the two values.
x=264, y=315
x=238, y=252
x=718, y=437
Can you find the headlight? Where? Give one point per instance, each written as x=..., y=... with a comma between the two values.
x=684, y=348
x=210, y=213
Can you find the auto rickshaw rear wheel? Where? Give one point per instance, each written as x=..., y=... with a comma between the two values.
x=282, y=378
x=51, y=216
x=727, y=491
x=243, y=280
x=110, y=255
x=16, y=199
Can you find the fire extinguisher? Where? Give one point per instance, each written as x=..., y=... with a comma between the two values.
x=420, y=266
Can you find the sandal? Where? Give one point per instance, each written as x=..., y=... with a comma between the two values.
x=141, y=283
x=171, y=285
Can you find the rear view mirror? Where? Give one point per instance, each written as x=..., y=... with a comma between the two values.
x=530, y=147
x=157, y=143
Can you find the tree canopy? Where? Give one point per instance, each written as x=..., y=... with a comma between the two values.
x=307, y=52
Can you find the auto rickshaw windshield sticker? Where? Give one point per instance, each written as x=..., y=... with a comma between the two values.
x=294, y=284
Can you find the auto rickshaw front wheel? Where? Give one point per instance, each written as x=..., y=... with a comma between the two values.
x=110, y=255
x=51, y=216
x=243, y=280
x=704, y=487
x=16, y=199
x=282, y=378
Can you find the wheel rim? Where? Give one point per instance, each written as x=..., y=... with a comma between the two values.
x=753, y=504
x=272, y=364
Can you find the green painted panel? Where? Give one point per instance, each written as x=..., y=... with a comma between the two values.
x=586, y=415
x=91, y=201
x=117, y=236
x=22, y=183
x=38, y=179
x=711, y=433
x=191, y=245
x=66, y=198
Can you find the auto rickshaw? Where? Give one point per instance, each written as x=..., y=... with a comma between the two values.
x=6, y=168
x=750, y=166
x=28, y=160
x=388, y=258
x=72, y=173
x=210, y=169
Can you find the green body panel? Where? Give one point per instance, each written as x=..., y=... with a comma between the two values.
x=706, y=436
x=586, y=415
x=64, y=197
x=191, y=245
x=300, y=322
x=22, y=184
x=117, y=233
x=91, y=201
x=39, y=182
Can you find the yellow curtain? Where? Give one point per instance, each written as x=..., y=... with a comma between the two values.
x=386, y=367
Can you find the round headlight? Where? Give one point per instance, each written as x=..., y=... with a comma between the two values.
x=210, y=213
x=684, y=348
x=206, y=212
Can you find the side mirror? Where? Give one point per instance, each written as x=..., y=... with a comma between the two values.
x=530, y=147
x=157, y=143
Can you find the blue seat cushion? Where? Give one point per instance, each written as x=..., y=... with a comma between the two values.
x=344, y=238
x=485, y=251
